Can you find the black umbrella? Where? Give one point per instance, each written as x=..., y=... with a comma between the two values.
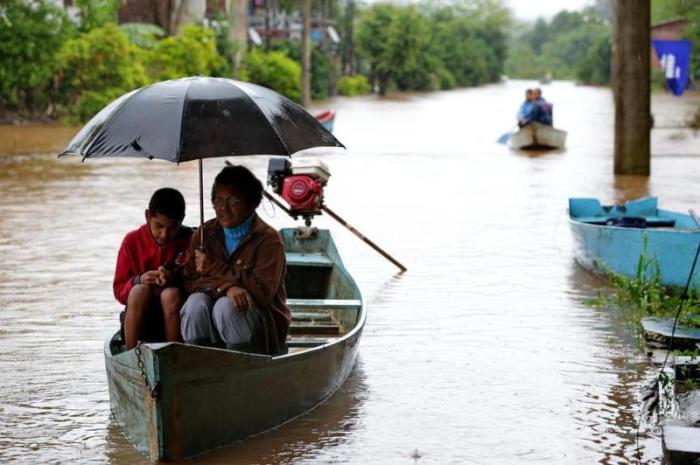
x=199, y=117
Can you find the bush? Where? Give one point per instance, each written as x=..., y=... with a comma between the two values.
x=353, y=85
x=31, y=34
x=323, y=72
x=95, y=68
x=446, y=79
x=274, y=70
x=192, y=52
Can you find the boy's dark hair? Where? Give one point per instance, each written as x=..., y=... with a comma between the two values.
x=169, y=202
x=242, y=179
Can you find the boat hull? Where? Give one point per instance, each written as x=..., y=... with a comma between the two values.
x=601, y=248
x=239, y=394
x=538, y=136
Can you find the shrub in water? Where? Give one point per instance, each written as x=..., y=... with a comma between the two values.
x=353, y=85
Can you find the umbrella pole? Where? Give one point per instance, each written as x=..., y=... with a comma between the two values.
x=201, y=205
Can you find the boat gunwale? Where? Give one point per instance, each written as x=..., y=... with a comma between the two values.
x=660, y=229
x=362, y=317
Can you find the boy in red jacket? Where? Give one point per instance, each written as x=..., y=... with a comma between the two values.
x=147, y=276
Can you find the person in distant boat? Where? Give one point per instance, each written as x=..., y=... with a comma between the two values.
x=238, y=299
x=525, y=113
x=146, y=278
x=543, y=111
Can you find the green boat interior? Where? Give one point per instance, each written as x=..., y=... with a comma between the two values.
x=324, y=300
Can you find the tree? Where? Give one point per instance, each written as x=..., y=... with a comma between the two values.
x=373, y=38
x=31, y=34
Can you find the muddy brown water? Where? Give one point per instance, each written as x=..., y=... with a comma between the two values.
x=482, y=353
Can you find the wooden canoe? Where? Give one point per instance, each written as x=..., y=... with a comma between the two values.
x=536, y=136
x=327, y=119
x=210, y=397
x=668, y=238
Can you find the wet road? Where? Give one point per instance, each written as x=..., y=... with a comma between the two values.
x=482, y=353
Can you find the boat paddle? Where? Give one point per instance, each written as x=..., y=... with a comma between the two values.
x=504, y=138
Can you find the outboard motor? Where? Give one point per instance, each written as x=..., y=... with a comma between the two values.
x=300, y=184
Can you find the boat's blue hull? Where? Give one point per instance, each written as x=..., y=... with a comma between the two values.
x=601, y=248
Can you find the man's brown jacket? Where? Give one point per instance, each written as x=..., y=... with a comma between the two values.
x=258, y=265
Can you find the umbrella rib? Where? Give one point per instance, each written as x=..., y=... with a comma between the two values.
x=255, y=105
x=86, y=153
x=182, y=121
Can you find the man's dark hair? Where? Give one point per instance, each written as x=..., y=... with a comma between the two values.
x=169, y=202
x=244, y=180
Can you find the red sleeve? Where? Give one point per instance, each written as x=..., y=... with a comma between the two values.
x=124, y=272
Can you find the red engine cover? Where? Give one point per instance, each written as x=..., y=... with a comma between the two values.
x=302, y=193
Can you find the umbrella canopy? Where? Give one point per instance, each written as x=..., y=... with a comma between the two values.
x=199, y=117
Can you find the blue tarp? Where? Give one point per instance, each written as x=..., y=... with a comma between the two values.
x=674, y=56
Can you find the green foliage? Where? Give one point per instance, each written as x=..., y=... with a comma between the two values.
x=143, y=35
x=95, y=68
x=573, y=45
x=437, y=46
x=594, y=67
x=353, y=85
x=445, y=79
x=323, y=72
x=274, y=70
x=645, y=295
x=96, y=13
x=192, y=52
x=372, y=37
x=31, y=34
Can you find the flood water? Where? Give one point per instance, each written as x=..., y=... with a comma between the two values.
x=482, y=353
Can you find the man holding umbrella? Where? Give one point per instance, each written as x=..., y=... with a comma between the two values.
x=237, y=289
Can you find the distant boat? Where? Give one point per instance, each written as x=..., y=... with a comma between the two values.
x=612, y=238
x=208, y=397
x=326, y=118
x=537, y=136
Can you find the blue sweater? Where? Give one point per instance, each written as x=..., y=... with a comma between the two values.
x=233, y=236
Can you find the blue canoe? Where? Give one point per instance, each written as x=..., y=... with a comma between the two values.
x=612, y=238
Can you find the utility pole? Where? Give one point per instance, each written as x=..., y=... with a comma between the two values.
x=306, y=56
x=347, y=44
x=267, y=25
x=238, y=30
x=631, y=86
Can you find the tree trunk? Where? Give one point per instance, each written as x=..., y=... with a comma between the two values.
x=631, y=85
x=306, y=56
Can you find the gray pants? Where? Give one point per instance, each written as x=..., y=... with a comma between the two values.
x=205, y=322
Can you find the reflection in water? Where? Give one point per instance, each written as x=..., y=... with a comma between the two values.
x=483, y=352
x=629, y=187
